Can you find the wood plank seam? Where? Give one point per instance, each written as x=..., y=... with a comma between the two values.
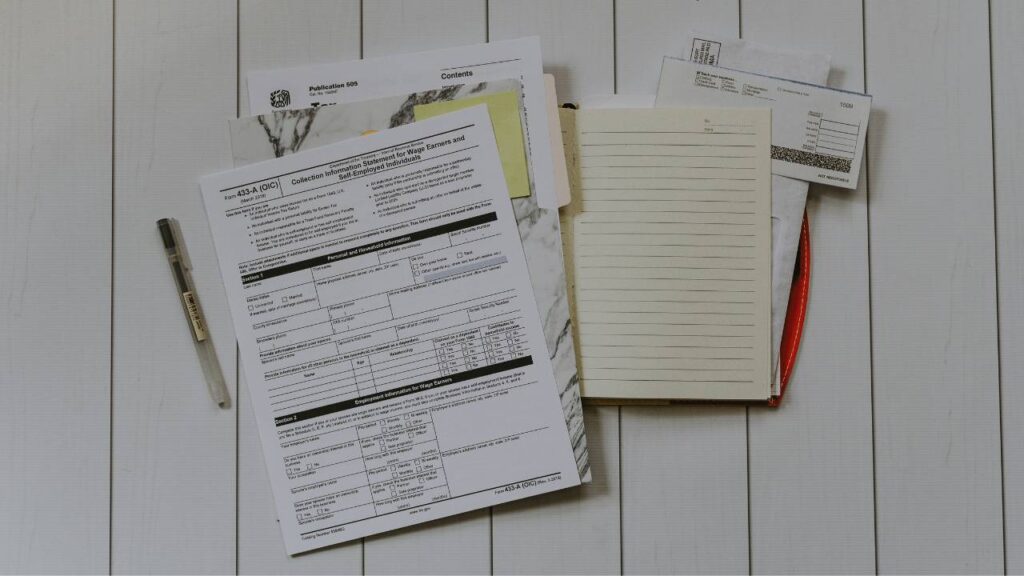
x=618, y=410
x=362, y=54
x=871, y=316
x=238, y=362
x=1005, y=18
x=995, y=251
x=113, y=239
x=746, y=410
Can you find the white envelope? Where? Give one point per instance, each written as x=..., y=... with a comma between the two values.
x=818, y=133
x=789, y=196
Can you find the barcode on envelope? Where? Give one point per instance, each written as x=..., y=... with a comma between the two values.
x=814, y=159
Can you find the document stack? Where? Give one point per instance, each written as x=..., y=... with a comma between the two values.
x=429, y=265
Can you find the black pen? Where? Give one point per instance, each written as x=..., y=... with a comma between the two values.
x=177, y=256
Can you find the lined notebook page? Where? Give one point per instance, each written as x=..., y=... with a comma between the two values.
x=671, y=253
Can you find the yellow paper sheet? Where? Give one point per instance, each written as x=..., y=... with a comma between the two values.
x=508, y=131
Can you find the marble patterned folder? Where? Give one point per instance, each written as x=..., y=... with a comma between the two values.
x=268, y=136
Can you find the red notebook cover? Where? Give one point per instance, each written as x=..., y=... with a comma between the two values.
x=796, y=313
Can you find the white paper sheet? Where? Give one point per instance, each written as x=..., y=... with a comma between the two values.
x=324, y=84
x=671, y=244
x=276, y=134
x=388, y=331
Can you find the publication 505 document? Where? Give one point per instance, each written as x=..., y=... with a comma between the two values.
x=319, y=85
x=388, y=331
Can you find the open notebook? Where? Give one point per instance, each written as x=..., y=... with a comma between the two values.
x=668, y=250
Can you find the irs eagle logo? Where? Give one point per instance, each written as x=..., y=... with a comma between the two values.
x=280, y=98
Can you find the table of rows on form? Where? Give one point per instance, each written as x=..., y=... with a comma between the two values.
x=373, y=468
x=349, y=330
x=836, y=138
x=353, y=324
x=362, y=469
x=369, y=373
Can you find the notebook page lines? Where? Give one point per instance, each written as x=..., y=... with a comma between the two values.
x=669, y=253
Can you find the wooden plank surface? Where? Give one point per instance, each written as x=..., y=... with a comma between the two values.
x=459, y=545
x=55, y=285
x=648, y=30
x=83, y=175
x=576, y=40
x=1007, y=20
x=174, y=450
x=575, y=531
x=933, y=288
x=400, y=26
x=684, y=490
x=273, y=35
x=684, y=468
x=811, y=475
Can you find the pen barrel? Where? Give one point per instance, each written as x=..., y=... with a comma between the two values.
x=214, y=376
x=201, y=337
x=204, y=344
x=193, y=313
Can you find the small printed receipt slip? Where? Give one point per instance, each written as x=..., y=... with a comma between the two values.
x=670, y=243
x=388, y=331
x=818, y=133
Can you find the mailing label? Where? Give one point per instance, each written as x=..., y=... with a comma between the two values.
x=818, y=133
x=705, y=51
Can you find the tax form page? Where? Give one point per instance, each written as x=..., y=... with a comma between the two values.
x=388, y=331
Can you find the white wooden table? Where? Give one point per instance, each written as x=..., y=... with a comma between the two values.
x=899, y=449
